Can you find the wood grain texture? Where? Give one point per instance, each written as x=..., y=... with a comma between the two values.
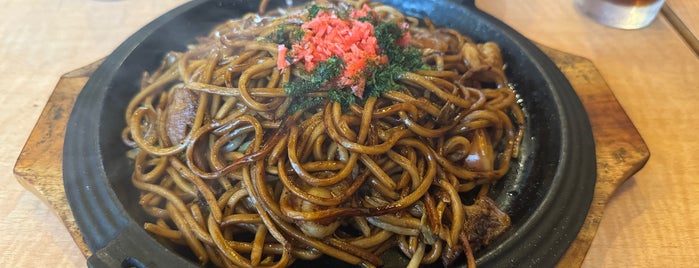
x=682, y=28
x=619, y=147
x=687, y=12
x=40, y=40
x=38, y=167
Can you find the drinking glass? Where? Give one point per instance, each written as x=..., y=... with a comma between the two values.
x=623, y=14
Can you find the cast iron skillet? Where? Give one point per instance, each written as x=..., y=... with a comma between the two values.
x=547, y=192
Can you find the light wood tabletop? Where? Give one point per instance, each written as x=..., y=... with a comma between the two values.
x=686, y=11
x=649, y=222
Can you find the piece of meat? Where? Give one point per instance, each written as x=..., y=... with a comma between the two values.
x=451, y=253
x=471, y=55
x=180, y=113
x=484, y=222
x=491, y=54
x=438, y=41
x=482, y=56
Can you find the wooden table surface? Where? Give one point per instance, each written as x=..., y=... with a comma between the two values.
x=686, y=10
x=649, y=222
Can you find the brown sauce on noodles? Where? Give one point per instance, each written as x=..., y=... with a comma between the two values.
x=231, y=166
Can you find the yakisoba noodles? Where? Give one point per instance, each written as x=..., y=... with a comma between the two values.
x=337, y=128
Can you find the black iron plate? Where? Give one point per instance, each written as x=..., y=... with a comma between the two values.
x=547, y=192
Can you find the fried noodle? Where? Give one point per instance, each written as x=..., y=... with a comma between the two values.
x=230, y=166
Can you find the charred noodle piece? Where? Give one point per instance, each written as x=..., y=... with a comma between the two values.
x=243, y=85
x=430, y=84
x=395, y=135
x=261, y=194
x=423, y=130
x=140, y=115
x=233, y=165
x=333, y=201
x=186, y=230
x=308, y=177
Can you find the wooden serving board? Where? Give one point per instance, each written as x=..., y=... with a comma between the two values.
x=621, y=151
